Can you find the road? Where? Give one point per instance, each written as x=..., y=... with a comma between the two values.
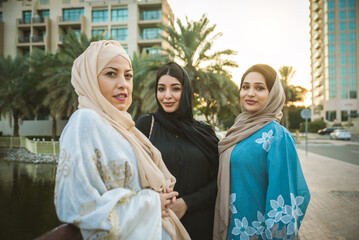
x=347, y=151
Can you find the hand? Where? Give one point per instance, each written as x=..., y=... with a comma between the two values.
x=166, y=200
x=179, y=208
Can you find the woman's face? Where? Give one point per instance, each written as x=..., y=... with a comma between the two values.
x=169, y=91
x=254, y=92
x=115, y=82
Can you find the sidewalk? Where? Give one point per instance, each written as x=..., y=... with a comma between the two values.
x=333, y=211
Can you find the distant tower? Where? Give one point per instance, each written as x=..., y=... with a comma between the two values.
x=334, y=30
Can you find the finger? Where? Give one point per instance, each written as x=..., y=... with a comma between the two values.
x=169, y=190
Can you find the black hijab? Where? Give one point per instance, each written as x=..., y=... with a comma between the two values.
x=182, y=122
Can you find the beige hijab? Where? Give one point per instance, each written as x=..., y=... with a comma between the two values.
x=153, y=172
x=246, y=124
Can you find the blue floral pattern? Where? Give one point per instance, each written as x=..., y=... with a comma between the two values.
x=266, y=140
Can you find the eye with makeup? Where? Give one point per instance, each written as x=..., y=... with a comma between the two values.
x=176, y=89
x=160, y=89
x=111, y=74
x=128, y=76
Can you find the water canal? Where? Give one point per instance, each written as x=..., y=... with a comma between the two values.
x=26, y=200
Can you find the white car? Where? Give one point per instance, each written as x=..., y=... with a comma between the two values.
x=340, y=134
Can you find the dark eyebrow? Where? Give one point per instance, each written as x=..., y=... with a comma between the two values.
x=174, y=84
x=128, y=70
x=255, y=83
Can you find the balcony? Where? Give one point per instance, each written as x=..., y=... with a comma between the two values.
x=24, y=40
x=39, y=39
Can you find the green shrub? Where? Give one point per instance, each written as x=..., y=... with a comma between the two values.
x=313, y=126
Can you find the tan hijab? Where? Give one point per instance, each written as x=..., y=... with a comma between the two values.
x=246, y=124
x=153, y=172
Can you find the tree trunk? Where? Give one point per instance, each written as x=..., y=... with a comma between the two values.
x=54, y=127
x=16, y=124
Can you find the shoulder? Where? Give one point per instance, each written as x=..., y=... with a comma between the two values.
x=85, y=117
x=281, y=133
x=144, y=120
x=205, y=125
x=144, y=124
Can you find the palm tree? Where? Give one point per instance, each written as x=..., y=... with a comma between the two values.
x=211, y=82
x=144, y=80
x=292, y=93
x=16, y=92
x=61, y=98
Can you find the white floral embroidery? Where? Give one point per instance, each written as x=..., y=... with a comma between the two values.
x=296, y=201
x=268, y=228
x=278, y=208
x=232, y=199
x=263, y=226
x=243, y=229
x=266, y=140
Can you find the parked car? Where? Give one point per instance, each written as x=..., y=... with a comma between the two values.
x=340, y=134
x=326, y=131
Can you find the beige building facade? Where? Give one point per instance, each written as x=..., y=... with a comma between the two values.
x=334, y=40
x=26, y=25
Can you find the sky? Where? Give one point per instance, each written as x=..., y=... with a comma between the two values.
x=274, y=32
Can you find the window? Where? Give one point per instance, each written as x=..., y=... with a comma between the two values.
x=331, y=49
x=352, y=83
x=343, y=48
x=43, y=2
x=331, y=38
x=343, y=71
x=331, y=27
x=342, y=26
x=100, y=32
x=351, y=3
x=352, y=60
x=343, y=60
x=343, y=94
x=331, y=16
x=353, y=94
x=342, y=4
x=331, y=60
x=342, y=15
x=351, y=26
x=332, y=93
x=126, y=48
x=332, y=82
x=351, y=37
x=119, y=34
x=150, y=14
x=352, y=71
x=100, y=15
x=330, y=4
x=150, y=33
x=151, y=50
x=343, y=82
x=26, y=16
x=72, y=15
x=344, y=116
x=0, y=16
x=351, y=14
x=352, y=48
x=342, y=37
x=331, y=72
x=331, y=115
x=44, y=13
x=119, y=14
x=353, y=113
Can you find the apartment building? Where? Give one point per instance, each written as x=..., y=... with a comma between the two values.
x=26, y=25
x=334, y=30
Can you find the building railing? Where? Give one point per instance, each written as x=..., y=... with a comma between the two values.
x=33, y=146
x=24, y=39
x=38, y=39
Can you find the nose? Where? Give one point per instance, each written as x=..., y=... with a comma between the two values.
x=251, y=91
x=168, y=94
x=121, y=82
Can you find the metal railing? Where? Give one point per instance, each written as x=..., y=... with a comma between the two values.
x=33, y=146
